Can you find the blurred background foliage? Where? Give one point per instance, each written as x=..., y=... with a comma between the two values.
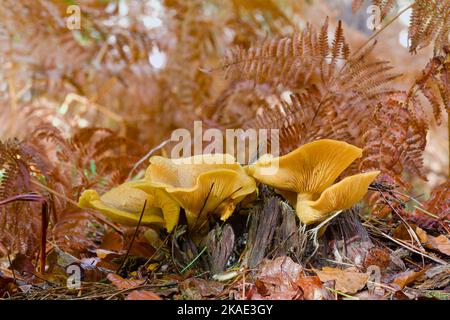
x=87, y=104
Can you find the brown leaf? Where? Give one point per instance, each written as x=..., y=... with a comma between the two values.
x=440, y=243
x=112, y=241
x=7, y=285
x=142, y=248
x=346, y=281
x=142, y=295
x=24, y=266
x=261, y=288
x=283, y=267
x=122, y=283
x=313, y=288
x=196, y=288
x=407, y=277
x=276, y=280
x=108, y=261
x=401, y=232
x=377, y=257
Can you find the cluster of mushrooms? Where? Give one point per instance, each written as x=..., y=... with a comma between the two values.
x=214, y=184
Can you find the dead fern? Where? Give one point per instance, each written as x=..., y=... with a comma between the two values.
x=430, y=21
x=394, y=142
x=58, y=168
x=435, y=212
x=434, y=85
x=20, y=222
x=332, y=89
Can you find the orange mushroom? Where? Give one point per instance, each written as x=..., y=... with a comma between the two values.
x=201, y=185
x=124, y=203
x=305, y=177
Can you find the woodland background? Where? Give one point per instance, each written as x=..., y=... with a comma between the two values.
x=82, y=109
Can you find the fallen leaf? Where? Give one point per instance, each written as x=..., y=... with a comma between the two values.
x=276, y=280
x=440, y=243
x=261, y=288
x=141, y=248
x=377, y=257
x=142, y=295
x=401, y=232
x=7, y=285
x=435, y=278
x=346, y=281
x=313, y=288
x=122, y=283
x=23, y=265
x=407, y=277
x=283, y=267
x=400, y=295
x=102, y=253
x=195, y=288
x=112, y=241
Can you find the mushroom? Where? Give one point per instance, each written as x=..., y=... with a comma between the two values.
x=123, y=204
x=201, y=185
x=305, y=177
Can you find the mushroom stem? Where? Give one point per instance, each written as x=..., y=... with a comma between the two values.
x=305, y=213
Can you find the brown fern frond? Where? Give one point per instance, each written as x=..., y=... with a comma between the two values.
x=430, y=21
x=331, y=87
x=383, y=145
x=394, y=142
x=434, y=214
x=434, y=85
x=20, y=222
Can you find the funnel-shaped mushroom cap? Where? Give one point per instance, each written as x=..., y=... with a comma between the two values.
x=340, y=196
x=310, y=168
x=123, y=204
x=183, y=172
x=159, y=198
x=305, y=175
x=201, y=185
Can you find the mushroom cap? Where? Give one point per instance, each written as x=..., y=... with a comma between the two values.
x=215, y=191
x=201, y=184
x=122, y=204
x=340, y=196
x=309, y=169
x=183, y=172
x=159, y=198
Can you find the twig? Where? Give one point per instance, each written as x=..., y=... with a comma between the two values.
x=12, y=269
x=93, y=213
x=146, y=156
x=313, y=233
x=157, y=250
x=194, y=260
x=132, y=239
x=342, y=293
x=411, y=232
x=407, y=246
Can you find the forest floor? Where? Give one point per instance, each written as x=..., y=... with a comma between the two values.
x=261, y=253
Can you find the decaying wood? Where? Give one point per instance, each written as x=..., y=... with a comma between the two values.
x=346, y=240
x=220, y=247
x=274, y=230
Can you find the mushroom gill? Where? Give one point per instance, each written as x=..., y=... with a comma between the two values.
x=305, y=177
x=124, y=203
x=202, y=185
